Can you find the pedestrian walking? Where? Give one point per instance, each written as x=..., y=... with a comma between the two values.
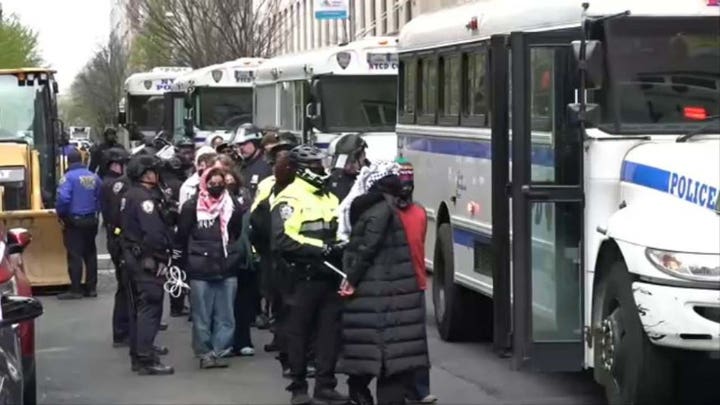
x=383, y=322
x=77, y=207
x=209, y=234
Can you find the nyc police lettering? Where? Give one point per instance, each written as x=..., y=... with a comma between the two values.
x=164, y=84
x=693, y=191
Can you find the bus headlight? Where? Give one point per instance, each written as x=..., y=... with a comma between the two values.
x=688, y=266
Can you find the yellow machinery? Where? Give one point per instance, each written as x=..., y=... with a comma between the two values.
x=30, y=167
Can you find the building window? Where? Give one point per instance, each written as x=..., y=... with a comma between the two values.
x=373, y=17
x=396, y=15
x=383, y=17
x=408, y=11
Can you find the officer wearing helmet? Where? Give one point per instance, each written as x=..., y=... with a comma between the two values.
x=186, y=152
x=348, y=153
x=253, y=168
x=113, y=188
x=110, y=140
x=304, y=225
x=146, y=245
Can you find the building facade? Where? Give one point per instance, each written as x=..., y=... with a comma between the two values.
x=298, y=30
x=124, y=19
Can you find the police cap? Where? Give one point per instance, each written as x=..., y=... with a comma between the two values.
x=116, y=155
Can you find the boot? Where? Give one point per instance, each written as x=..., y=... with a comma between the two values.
x=70, y=295
x=163, y=326
x=155, y=368
x=161, y=350
x=329, y=396
x=361, y=396
x=300, y=397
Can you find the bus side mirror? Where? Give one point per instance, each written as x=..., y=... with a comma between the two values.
x=16, y=309
x=591, y=116
x=18, y=239
x=312, y=113
x=593, y=62
x=59, y=127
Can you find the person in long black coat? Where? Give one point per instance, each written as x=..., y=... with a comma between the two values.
x=383, y=322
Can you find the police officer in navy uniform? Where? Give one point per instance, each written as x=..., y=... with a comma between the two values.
x=97, y=152
x=114, y=186
x=253, y=167
x=146, y=246
x=77, y=207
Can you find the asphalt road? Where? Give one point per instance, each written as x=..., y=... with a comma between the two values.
x=77, y=365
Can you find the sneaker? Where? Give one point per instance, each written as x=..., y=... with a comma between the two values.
x=91, y=294
x=208, y=362
x=430, y=399
x=70, y=295
x=247, y=351
x=222, y=362
x=262, y=322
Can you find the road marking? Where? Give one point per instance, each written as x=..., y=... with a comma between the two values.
x=52, y=350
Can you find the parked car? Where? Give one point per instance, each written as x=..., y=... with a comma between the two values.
x=17, y=330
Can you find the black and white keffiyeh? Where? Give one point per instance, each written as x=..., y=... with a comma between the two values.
x=368, y=176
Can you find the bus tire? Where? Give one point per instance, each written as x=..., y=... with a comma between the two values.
x=636, y=371
x=454, y=305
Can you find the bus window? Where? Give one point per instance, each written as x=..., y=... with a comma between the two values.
x=287, y=100
x=476, y=98
x=450, y=94
x=542, y=94
x=428, y=89
x=408, y=80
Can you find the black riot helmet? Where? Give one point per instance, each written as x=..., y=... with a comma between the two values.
x=185, y=143
x=116, y=155
x=349, y=145
x=308, y=160
x=138, y=165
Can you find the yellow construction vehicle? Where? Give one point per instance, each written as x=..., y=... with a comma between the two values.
x=30, y=167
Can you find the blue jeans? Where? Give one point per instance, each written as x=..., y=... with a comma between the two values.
x=211, y=304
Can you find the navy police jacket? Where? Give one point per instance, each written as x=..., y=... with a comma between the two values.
x=78, y=192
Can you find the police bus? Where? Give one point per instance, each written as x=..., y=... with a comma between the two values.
x=215, y=98
x=142, y=109
x=320, y=94
x=569, y=160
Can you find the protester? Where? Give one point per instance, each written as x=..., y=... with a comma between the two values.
x=414, y=219
x=204, y=158
x=383, y=321
x=209, y=234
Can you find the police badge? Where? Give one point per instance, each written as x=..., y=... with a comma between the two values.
x=148, y=206
x=286, y=212
x=117, y=187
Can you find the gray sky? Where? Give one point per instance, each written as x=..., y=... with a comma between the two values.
x=69, y=30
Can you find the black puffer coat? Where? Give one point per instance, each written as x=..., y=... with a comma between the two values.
x=383, y=323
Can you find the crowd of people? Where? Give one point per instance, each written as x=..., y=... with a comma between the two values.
x=332, y=261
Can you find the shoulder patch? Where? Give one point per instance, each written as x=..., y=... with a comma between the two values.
x=286, y=211
x=88, y=182
x=148, y=206
x=62, y=180
x=117, y=187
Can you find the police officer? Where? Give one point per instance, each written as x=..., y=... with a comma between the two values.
x=113, y=188
x=110, y=140
x=146, y=245
x=253, y=168
x=348, y=158
x=77, y=206
x=304, y=223
x=186, y=152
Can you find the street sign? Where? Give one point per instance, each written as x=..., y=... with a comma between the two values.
x=331, y=9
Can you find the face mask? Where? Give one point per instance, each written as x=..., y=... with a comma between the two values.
x=216, y=191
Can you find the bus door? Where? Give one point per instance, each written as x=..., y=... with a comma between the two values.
x=174, y=113
x=547, y=204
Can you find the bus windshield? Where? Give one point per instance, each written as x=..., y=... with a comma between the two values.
x=224, y=108
x=358, y=103
x=664, y=72
x=146, y=112
x=17, y=109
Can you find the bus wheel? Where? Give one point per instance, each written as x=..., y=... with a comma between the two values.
x=638, y=372
x=454, y=305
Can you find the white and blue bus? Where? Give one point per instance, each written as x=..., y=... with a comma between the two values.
x=569, y=160
x=324, y=93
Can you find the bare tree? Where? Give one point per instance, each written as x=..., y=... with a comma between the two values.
x=198, y=33
x=98, y=88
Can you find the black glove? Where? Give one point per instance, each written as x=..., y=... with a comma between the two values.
x=334, y=252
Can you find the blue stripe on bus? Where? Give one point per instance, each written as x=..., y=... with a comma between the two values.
x=542, y=155
x=676, y=184
x=468, y=238
x=647, y=176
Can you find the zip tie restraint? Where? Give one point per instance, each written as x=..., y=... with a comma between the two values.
x=175, y=279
